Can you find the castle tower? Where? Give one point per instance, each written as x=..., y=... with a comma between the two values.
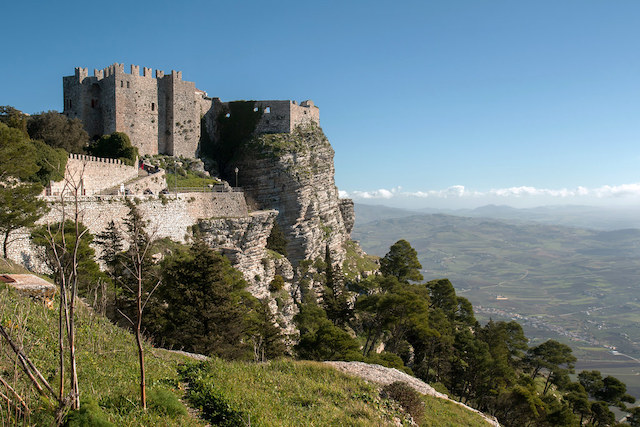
x=160, y=115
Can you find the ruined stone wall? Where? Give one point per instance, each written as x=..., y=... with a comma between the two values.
x=93, y=174
x=304, y=114
x=277, y=116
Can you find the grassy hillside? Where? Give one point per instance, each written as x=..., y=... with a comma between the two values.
x=278, y=393
x=576, y=284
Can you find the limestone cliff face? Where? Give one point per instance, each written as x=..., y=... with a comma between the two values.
x=243, y=241
x=294, y=174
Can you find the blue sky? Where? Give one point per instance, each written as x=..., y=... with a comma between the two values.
x=426, y=103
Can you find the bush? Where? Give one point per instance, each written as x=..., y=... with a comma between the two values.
x=407, y=397
x=277, y=241
x=277, y=283
x=441, y=388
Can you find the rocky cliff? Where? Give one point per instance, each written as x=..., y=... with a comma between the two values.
x=294, y=174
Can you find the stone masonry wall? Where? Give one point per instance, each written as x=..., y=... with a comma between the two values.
x=155, y=183
x=182, y=115
x=93, y=174
x=160, y=115
x=169, y=216
x=136, y=110
x=284, y=116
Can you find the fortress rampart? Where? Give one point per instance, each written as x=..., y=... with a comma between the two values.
x=92, y=175
x=169, y=216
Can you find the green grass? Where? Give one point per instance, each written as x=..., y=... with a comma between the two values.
x=106, y=360
x=279, y=393
x=189, y=179
x=288, y=393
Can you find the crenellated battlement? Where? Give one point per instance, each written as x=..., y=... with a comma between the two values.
x=116, y=69
x=163, y=113
x=85, y=158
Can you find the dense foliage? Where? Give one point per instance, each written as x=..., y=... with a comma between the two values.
x=115, y=146
x=58, y=131
x=427, y=330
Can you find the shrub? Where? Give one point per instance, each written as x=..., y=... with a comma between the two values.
x=441, y=388
x=277, y=241
x=277, y=283
x=407, y=397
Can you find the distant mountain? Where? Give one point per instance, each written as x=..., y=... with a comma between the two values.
x=599, y=218
x=368, y=213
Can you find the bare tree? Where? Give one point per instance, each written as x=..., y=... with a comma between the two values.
x=135, y=263
x=62, y=246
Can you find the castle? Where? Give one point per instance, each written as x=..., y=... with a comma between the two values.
x=163, y=114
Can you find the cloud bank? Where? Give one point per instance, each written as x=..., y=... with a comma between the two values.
x=510, y=194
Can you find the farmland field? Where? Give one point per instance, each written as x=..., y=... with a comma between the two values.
x=577, y=285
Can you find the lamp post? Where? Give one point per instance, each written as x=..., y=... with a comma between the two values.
x=236, y=177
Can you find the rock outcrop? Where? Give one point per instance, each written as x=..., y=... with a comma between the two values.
x=294, y=174
x=383, y=376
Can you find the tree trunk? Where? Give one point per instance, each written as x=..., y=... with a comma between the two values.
x=143, y=391
x=4, y=244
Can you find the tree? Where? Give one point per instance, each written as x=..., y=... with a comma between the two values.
x=277, y=241
x=17, y=154
x=204, y=303
x=324, y=340
x=552, y=356
x=136, y=263
x=266, y=336
x=111, y=242
x=13, y=118
x=335, y=297
x=634, y=417
x=51, y=163
x=58, y=131
x=610, y=389
x=115, y=146
x=19, y=207
x=401, y=262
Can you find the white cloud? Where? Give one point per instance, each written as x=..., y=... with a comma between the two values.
x=461, y=192
x=381, y=193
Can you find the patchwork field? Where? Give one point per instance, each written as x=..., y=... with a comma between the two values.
x=578, y=285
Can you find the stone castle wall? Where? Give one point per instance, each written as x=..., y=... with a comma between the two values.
x=160, y=115
x=92, y=174
x=155, y=183
x=169, y=216
x=277, y=116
